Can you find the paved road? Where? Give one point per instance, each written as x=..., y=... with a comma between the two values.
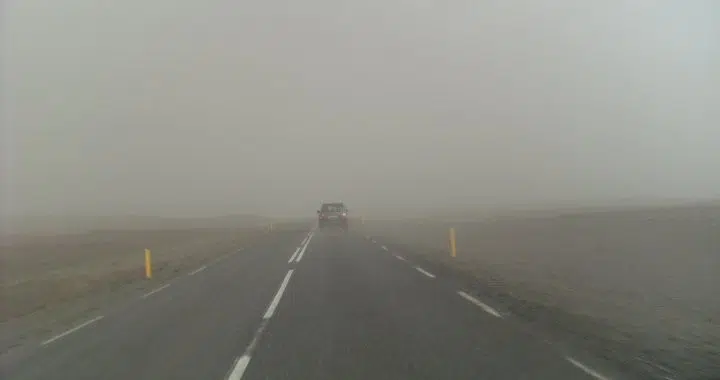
x=343, y=308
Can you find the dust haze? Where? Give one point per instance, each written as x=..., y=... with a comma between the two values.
x=202, y=123
x=186, y=108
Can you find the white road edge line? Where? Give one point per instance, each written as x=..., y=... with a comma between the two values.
x=292, y=258
x=479, y=303
x=586, y=369
x=423, y=271
x=400, y=257
x=276, y=300
x=384, y=248
x=302, y=251
x=196, y=271
x=72, y=330
x=148, y=294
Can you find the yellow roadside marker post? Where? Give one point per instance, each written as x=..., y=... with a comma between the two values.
x=148, y=264
x=453, y=249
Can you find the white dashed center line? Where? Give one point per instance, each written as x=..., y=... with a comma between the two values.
x=479, y=303
x=294, y=255
x=302, y=251
x=423, y=271
x=276, y=300
x=196, y=271
x=148, y=294
x=243, y=361
x=586, y=369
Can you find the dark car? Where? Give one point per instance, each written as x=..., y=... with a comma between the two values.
x=333, y=214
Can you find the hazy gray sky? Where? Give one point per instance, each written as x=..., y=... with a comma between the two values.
x=179, y=107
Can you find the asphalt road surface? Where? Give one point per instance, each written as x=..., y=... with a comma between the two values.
x=317, y=305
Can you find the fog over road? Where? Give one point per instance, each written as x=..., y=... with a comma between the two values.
x=303, y=305
x=186, y=127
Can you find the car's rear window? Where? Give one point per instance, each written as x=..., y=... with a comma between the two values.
x=332, y=207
